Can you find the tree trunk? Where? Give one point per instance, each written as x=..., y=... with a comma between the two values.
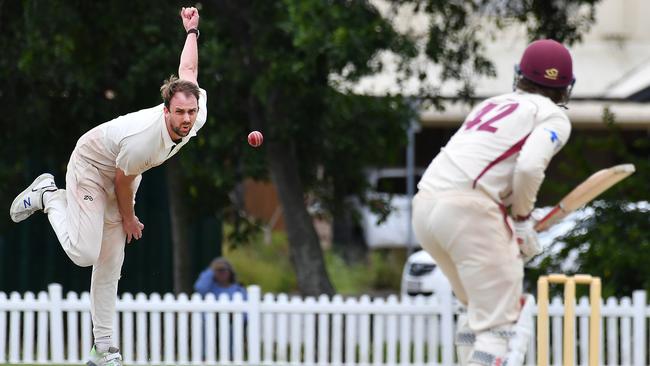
x=179, y=220
x=305, y=252
x=347, y=239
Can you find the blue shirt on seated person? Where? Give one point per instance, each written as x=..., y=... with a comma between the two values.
x=219, y=278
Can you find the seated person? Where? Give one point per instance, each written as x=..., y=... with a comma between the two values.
x=219, y=278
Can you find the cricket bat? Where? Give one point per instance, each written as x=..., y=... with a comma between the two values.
x=586, y=191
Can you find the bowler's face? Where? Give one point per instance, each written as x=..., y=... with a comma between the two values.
x=181, y=115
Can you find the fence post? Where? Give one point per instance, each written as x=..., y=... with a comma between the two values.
x=72, y=337
x=56, y=322
x=3, y=328
x=639, y=327
x=254, y=299
x=14, y=329
x=447, y=324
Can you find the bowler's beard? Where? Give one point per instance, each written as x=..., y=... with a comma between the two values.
x=177, y=130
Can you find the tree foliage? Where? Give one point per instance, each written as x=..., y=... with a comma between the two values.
x=267, y=65
x=275, y=65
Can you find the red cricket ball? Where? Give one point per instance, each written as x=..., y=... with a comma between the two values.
x=255, y=138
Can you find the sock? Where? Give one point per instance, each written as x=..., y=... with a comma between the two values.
x=47, y=197
x=102, y=344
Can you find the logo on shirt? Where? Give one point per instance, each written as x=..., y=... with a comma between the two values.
x=88, y=198
x=555, y=139
x=553, y=134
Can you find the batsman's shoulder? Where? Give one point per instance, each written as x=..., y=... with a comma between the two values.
x=550, y=112
x=557, y=127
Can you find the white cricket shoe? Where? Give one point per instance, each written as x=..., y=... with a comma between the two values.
x=31, y=199
x=110, y=358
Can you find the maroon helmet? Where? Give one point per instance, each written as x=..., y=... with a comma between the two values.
x=548, y=63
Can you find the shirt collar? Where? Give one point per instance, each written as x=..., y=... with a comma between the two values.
x=167, y=140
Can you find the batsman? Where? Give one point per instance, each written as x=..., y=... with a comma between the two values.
x=472, y=209
x=95, y=215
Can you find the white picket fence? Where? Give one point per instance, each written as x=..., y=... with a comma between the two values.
x=278, y=330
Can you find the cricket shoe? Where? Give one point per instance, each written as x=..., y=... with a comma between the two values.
x=112, y=357
x=31, y=199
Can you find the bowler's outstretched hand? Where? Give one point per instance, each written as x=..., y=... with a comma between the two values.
x=190, y=18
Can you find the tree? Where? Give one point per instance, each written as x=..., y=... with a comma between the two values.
x=281, y=66
x=275, y=61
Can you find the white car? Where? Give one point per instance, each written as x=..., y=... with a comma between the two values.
x=389, y=184
x=421, y=275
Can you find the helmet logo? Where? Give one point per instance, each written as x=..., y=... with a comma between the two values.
x=551, y=73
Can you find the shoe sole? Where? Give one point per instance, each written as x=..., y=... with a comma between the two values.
x=90, y=363
x=15, y=217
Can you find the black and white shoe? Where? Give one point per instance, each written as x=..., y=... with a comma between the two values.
x=31, y=199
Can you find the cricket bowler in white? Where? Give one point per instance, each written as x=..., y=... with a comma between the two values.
x=472, y=209
x=94, y=216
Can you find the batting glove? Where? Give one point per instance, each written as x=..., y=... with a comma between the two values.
x=527, y=239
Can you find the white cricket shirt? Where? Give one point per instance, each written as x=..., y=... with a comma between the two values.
x=502, y=148
x=135, y=142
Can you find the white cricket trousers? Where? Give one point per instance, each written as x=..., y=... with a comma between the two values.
x=466, y=233
x=86, y=220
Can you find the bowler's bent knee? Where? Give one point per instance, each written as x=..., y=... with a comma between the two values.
x=84, y=257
